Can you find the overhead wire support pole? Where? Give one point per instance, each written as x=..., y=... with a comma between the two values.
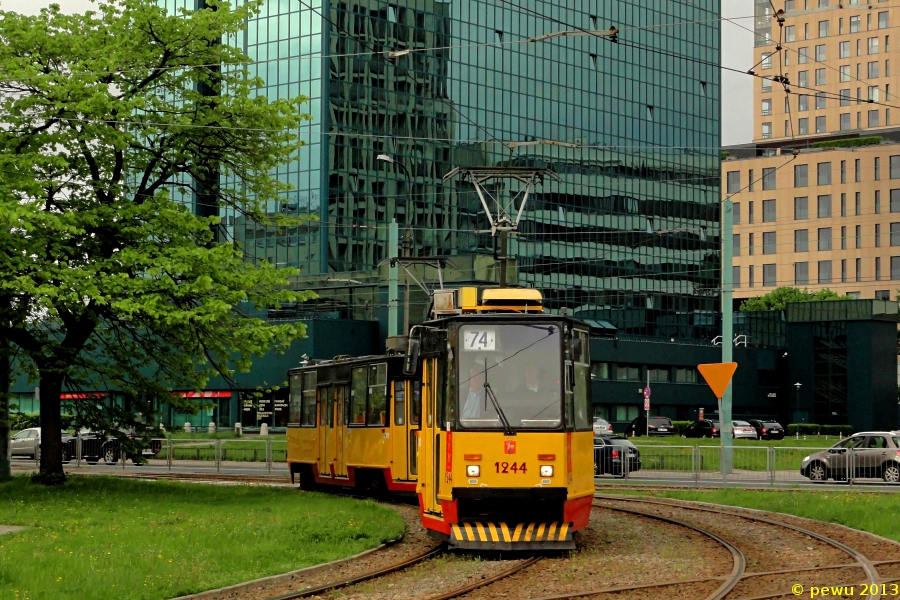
x=393, y=278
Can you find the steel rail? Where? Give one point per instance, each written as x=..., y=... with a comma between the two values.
x=865, y=563
x=524, y=564
x=342, y=583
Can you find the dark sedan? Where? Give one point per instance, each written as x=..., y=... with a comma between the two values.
x=614, y=455
x=94, y=447
x=767, y=430
x=704, y=428
x=655, y=426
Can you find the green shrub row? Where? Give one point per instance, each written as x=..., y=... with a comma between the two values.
x=849, y=143
x=813, y=429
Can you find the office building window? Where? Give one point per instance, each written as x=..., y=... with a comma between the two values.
x=877, y=268
x=844, y=237
x=767, y=84
x=820, y=100
x=858, y=114
x=895, y=268
x=858, y=236
x=750, y=181
x=790, y=34
x=750, y=212
x=769, y=178
x=877, y=168
x=750, y=244
x=769, y=276
x=882, y=294
x=820, y=125
x=843, y=205
x=824, y=271
x=801, y=273
x=736, y=213
x=845, y=101
x=873, y=118
x=854, y=24
x=824, y=206
x=877, y=202
x=872, y=45
x=801, y=175
x=857, y=204
x=766, y=130
x=750, y=276
x=845, y=121
x=820, y=76
x=872, y=69
x=768, y=211
x=895, y=234
x=733, y=179
x=883, y=21
x=736, y=277
x=803, y=55
x=766, y=62
x=803, y=102
x=844, y=50
x=802, y=126
x=769, y=246
x=895, y=201
x=767, y=107
x=856, y=170
x=843, y=171
x=895, y=167
x=877, y=235
x=844, y=74
x=801, y=240
x=736, y=244
x=873, y=93
x=823, y=173
x=887, y=68
x=801, y=208
x=823, y=29
x=843, y=270
x=803, y=79
x=824, y=238
x=820, y=52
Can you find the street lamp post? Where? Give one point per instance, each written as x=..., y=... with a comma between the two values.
x=797, y=416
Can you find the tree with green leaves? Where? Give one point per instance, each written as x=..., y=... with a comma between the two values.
x=117, y=123
x=780, y=297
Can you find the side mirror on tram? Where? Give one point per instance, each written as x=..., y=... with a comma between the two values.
x=411, y=360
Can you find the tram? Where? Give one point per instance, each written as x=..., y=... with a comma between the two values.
x=491, y=424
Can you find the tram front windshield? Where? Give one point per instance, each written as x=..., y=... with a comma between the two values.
x=515, y=369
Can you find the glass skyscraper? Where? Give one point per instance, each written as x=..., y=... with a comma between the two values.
x=629, y=234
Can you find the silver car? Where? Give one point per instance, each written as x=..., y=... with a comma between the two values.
x=870, y=454
x=28, y=443
x=743, y=430
x=602, y=427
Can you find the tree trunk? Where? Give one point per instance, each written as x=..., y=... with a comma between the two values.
x=51, y=430
x=5, y=377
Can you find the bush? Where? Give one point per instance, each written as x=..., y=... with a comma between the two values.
x=680, y=426
x=813, y=429
x=849, y=143
x=20, y=420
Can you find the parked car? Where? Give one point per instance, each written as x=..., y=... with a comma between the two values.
x=743, y=430
x=656, y=426
x=610, y=452
x=28, y=443
x=704, y=428
x=602, y=427
x=869, y=454
x=109, y=448
x=767, y=430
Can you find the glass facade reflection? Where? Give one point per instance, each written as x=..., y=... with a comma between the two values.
x=630, y=233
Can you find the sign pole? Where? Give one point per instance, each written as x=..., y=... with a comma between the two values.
x=727, y=332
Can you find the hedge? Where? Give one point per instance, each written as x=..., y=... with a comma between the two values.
x=813, y=429
x=849, y=143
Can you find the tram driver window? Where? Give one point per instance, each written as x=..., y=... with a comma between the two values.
x=308, y=411
x=377, y=404
x=295, y=408
x=582, y=380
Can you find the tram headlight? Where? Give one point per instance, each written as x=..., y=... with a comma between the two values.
x=473, y=471
x=546, y=470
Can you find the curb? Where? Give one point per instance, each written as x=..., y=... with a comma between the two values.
x=219, y=593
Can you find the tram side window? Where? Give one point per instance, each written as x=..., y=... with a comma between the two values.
x=415, y=415
x=399, y=403
x=322, y=394
x=358, y=392
x=377, y=394
x=308, y=416
x=582, y=381
x=295, y=409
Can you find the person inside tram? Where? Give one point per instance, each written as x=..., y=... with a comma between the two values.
x=475, y=405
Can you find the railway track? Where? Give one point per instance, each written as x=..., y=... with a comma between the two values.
x=860, y=561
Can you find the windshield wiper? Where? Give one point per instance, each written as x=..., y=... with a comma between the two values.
x=489, y=393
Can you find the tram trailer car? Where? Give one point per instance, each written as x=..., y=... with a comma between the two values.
x=353, y=423
x=506, y=445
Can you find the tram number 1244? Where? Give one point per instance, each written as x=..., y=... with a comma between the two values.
x=505, y=467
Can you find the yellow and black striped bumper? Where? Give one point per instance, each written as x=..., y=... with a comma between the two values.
x=523, y=536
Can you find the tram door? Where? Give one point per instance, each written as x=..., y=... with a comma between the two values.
x=430, y=447
x=341, y=395
x=406, y=411
x=326, y=424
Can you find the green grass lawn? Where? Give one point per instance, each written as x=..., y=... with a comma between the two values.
x=877, y=513
x=102, y=537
